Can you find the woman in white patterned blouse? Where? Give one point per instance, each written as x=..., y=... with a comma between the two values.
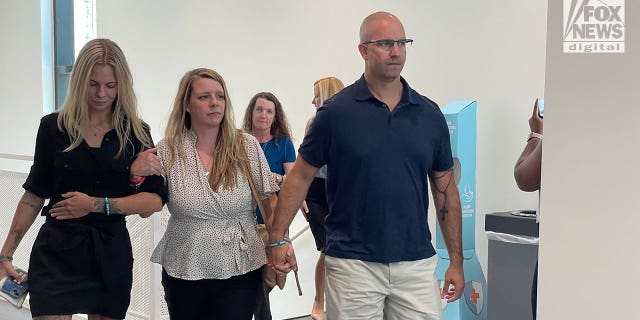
x=211, y=254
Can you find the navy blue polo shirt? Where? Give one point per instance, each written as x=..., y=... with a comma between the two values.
x=377, y=164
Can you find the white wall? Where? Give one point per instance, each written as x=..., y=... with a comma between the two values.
x=20, y=78
x=492, y=51
x=590, y=222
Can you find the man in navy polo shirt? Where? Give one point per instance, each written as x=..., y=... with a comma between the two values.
x=381, y=142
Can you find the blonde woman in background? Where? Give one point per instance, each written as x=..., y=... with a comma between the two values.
x=211, y=254
x=81, y=261
x=316, y=208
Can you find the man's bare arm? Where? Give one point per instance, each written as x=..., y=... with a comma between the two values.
x=449, y=214
x=293, y=192
x=448, y=211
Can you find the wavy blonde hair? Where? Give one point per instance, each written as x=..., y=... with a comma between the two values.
x=75, y=111
x=327, y=87
x=229, y=149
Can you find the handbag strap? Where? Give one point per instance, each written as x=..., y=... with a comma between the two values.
x=252, y=185
x=254, y=191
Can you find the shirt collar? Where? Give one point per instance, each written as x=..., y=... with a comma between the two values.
x=362, y=92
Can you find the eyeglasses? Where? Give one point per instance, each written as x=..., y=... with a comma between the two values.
x=387, y=44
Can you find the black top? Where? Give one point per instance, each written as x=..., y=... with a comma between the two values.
x=82, y=265
x=93, y=171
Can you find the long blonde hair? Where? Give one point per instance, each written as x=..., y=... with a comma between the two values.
x=75, y=111
x=228, y=153
x=327, y=87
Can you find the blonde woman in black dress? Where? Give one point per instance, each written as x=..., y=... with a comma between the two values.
x=81, y=261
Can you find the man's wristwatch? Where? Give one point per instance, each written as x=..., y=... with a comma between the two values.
x=534, y=135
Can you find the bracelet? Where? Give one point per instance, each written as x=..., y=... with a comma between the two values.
x=4, y=258
x=107, y=206
x=279, y=243
x=138, y=181
x=534, y=135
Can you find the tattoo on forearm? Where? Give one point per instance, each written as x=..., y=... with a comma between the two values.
x=17, y=237
x=113, y=206
x=98, y=203
x=443, y=211
x=30, y=203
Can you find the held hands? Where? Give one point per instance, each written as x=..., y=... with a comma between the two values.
x=535, y=122
x=453, y=283
x=278, y=178
x=147, y=163
x=75, y=205
x=283, y=259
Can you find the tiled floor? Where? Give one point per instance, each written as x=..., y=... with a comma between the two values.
x=9, y=312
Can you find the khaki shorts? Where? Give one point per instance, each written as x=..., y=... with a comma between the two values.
x=391, y=291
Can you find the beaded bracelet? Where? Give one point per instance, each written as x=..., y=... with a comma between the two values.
x=4, y=258
x=279, y=243
x=107, y=206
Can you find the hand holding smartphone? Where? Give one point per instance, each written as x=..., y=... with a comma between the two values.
x=541, y=107
x=13, y=291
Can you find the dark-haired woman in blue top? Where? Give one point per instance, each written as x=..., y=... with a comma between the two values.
x=265, y=119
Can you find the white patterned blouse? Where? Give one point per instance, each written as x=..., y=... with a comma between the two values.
x=211, y=234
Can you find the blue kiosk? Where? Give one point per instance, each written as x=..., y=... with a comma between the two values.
x=461, y=119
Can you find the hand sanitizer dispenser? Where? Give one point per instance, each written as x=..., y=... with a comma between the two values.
x=461, y=119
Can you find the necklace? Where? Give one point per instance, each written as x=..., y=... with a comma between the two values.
x=205, y=159
x=263, y=145
x=96, y=131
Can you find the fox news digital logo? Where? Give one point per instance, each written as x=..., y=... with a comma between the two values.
x=593, y=26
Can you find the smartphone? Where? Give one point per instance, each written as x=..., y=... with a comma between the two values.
x=12, y=288
x=541, y=108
